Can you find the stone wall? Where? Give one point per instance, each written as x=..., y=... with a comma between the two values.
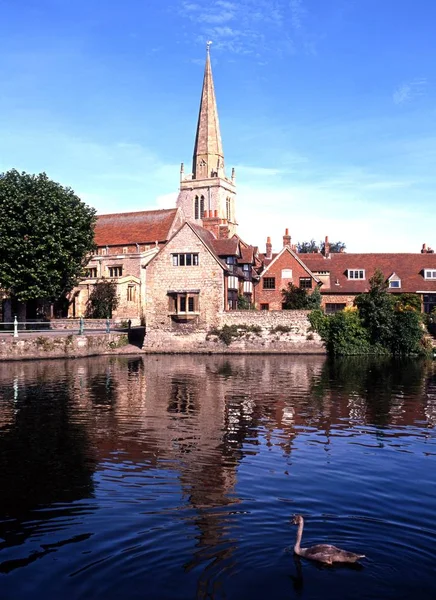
x=259, y=335
x=60, y=346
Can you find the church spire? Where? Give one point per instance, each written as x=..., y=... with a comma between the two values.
x=208, y=159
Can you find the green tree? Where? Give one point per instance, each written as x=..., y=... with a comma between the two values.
x=376, y=309
x=312, y=246
x=313, y=300
x=102, y=300
x=46, y=234
x=307, y=247
x=297, y=298
x=294, y=297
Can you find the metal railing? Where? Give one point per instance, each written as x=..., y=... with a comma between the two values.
x=16, y=327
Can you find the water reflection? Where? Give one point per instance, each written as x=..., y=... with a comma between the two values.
x=188, y=467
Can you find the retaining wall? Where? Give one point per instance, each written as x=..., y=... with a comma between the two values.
x=60, y=346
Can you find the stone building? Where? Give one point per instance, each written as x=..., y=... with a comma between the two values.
x=126, y=242
x=195, y=277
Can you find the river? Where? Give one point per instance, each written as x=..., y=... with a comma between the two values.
x=176, y=477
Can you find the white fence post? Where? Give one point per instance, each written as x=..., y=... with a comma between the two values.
x=15, y=326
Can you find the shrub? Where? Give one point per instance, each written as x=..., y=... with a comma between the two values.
x=102, y=300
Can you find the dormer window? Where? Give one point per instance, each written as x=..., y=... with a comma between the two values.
x=356, y=273
x=429, y=273
x=394, y=281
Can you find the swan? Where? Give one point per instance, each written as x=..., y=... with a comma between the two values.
x=322, y=552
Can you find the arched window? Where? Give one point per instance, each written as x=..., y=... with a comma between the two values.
x=196, y=207
x=201, y=207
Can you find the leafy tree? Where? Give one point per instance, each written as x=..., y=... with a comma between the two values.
x=102, y=300
x=378, y=324
x=376, y=309
x=335, y=247
x=244, y=303
x=298, y=298
x=46, y=233
x=313, y=300
x=294, y=297
x=311, y=246
x=307, y=247
x=408, y=301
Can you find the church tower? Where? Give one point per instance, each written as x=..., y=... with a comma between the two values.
x=207, y=196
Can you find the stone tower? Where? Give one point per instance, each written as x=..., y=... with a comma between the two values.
x=207, y=196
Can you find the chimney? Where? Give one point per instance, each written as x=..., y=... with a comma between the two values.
x=424, y=249
x=224, y=232
x=326, y=247
x=286, y=238
x=268, y=253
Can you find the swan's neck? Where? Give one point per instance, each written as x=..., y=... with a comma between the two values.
x=299, y=534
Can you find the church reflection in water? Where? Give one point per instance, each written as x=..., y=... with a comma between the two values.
x=198, y=416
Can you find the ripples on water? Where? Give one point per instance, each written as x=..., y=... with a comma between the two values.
x=176, y=477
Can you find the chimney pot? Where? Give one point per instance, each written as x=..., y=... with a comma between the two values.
x=215, y=214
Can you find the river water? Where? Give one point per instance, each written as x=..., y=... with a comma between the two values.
x=176, y=477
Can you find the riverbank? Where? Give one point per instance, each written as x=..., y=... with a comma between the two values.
x=34, y=346
x=64, y=345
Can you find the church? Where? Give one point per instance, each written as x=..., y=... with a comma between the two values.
x=179, y=268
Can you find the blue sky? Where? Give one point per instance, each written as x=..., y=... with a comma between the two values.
x=327, y=108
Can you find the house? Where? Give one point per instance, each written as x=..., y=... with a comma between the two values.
x=342, y=276
x=126, y=242
x=195, y=277
x=278, y=271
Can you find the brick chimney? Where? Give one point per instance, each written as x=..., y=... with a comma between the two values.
x=424, y=249
x=326, y=247
x=286, y=238
x=224, y=230
x=268, y=253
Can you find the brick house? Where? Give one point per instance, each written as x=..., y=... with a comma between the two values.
x=278, y=271
x=126, y=242
x=342, y=276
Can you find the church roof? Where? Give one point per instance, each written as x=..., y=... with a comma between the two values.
x=144, y=227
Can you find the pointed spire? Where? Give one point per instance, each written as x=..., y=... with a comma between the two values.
x=208, y=159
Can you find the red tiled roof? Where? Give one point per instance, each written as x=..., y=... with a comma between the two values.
x=145, y=227
x=226, y=247
x=408, y=267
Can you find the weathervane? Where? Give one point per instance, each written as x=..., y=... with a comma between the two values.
x=208, y=46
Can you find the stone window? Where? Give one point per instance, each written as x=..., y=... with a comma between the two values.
x=306, y=283
x=183, y=303
x=331, y=307
x=115, y=271
x=131, y=293
x=91, y=272
x=269, y=283
x=264, y=306
x=185, y=259
x=196, y=207
x=356, y=273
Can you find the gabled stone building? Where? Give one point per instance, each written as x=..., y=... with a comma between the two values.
x=126, y=242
